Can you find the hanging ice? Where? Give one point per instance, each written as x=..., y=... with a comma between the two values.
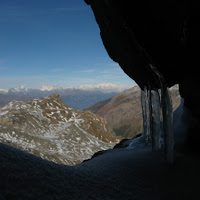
x=143, y=141
x=151, y=117
x=145, y=101
x=152, y=107
x=156, y=123
x=167, y=124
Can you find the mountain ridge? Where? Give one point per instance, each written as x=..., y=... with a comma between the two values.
x=49, y=128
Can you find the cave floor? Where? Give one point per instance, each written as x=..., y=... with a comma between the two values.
x=115, y=174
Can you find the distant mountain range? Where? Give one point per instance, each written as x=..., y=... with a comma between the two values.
x=47, y=127
x=75, y=98
x=123, y=112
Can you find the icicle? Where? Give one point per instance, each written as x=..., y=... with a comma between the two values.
x=148, y=110
x=156, y=124
x=145, y=101
x=151, y=117
x=151, y=107
x=143, y=141
x=167, y=124
x=167, y=112
x=144, y=114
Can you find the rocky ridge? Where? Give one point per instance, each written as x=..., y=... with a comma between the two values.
x=52, y=130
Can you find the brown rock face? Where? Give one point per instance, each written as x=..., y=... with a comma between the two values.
x=123, y=112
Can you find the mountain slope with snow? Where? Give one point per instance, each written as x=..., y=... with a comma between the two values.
x=52, y=130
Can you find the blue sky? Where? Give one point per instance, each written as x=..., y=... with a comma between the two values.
x=53, y=42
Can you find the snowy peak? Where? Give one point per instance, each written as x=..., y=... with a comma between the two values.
x=50, y=88
x=53, y=101
x=18, y=90
x=104, y=87
x=3, y=91
x=74, y=97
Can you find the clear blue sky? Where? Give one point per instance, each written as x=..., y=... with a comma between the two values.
x=48, y=42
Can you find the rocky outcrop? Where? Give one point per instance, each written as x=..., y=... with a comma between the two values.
x=52, y=130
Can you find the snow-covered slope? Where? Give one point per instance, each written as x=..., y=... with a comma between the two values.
x=52, y=130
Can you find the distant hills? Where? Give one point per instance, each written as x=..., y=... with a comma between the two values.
x=123, y=112
x=75, y=98
x=49, y=128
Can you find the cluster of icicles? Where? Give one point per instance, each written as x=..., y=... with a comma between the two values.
x=158, y=119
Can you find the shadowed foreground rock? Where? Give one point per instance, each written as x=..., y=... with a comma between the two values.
x=116, y=174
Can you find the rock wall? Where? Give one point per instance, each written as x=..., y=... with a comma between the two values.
x=139, y=33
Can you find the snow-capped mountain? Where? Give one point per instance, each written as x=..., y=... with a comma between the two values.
x=20, y=89
x=52, y=130
x=104, y=87
x=75, y=97
x=3, y=91
x=50, y=88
